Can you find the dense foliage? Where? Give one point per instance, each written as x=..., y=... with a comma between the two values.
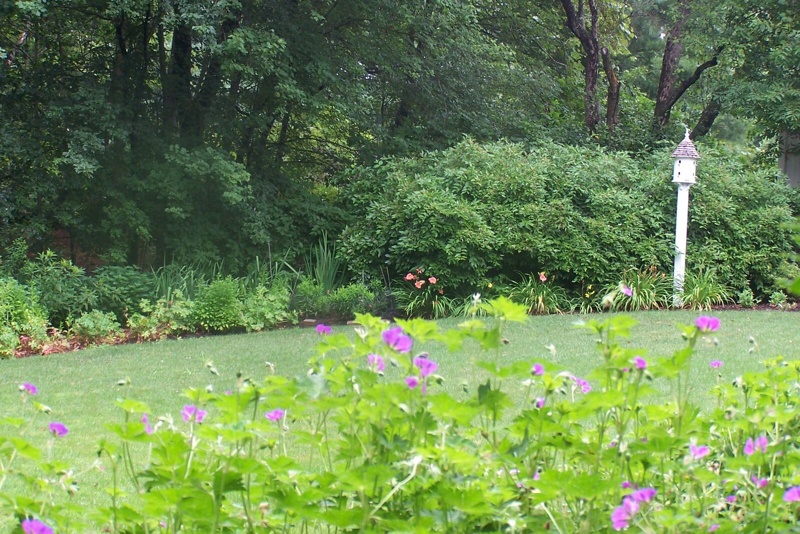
x=476, y=213
x=141, y=132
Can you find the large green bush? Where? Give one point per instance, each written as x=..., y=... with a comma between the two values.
x=476, y=212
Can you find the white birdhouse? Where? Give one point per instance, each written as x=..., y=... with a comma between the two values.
x=685, y=157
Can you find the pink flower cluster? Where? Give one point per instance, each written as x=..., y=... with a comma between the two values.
x=622, y=515
x=420, y=279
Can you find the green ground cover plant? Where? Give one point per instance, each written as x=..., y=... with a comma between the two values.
x=382, y=434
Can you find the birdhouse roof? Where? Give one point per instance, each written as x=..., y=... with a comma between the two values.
x=686, y=149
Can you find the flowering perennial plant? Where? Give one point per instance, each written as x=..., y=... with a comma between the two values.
x=376, y=447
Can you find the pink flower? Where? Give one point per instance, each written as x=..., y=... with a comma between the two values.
x=644, y=494
x=759, y=482
x=792, y=494
x=628, y=292
x=537, y=369
x=323, y=329
x=410, y=277
x=275, y=415
x=396, y=339
x=715, y=364
x=432, y=280
x=34, y=526
x=582, y=384
x=704, y=323
x=412, y=382
x=730, y=499
x=760, y=444
x=699, y=451
x=426, y=367
x=375, y=362
x=146, y=422
x=29, y=388
x=58, y=429
x=713, y=527
x=640, y=362
x=191, y=412
x=542, y=277
x=539, y=403
x=622, y=515
x=419, y=283
x=626, y=485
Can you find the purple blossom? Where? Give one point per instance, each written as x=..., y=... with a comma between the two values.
x=191, y=412
x=628, y=292
x=539, y=402
x=713, y=527
x=58, y=429
x=644, y=494
x=699, y=451
x=146, y=422
x=759, y=482
x=537, y=369
x=730, y=499
x=275, y=415
x=426, y=367
x=792, y=494
x=626, y=485
x=29, y=388
x=715, y=364
x=705, y=323
x=323, y=329
x=34, y=526
x=375, y=362
x=582, y=384
x=640, y=362
x=412, y=382
x=396, y=339
x=760, y=444
x=622, y=515
x=537, y=475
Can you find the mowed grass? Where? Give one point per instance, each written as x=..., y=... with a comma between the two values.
x=81, y=387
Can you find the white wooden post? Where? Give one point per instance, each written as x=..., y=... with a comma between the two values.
x=683, y=174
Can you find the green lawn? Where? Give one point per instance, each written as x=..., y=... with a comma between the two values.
x=81, y=387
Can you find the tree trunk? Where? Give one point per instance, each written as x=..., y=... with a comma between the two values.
x=591, y=46
x=178, y=80
x=707, y=118
x=612, y=101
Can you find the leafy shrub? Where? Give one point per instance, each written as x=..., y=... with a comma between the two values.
x=701, y=291
x=121, y=289
x=539, y=296
x=265, y=307
x=746, y=299
x=217, y=307
x=347, y=301
x=164, y=318
x=20, y=315
x=63, y=288
x=95, y=326
x=342, y=303
x=308, y=298
x=379, y=459
x=476, y=212
x=13, y=259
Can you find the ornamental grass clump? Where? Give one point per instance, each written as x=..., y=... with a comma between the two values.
x=368, y=439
